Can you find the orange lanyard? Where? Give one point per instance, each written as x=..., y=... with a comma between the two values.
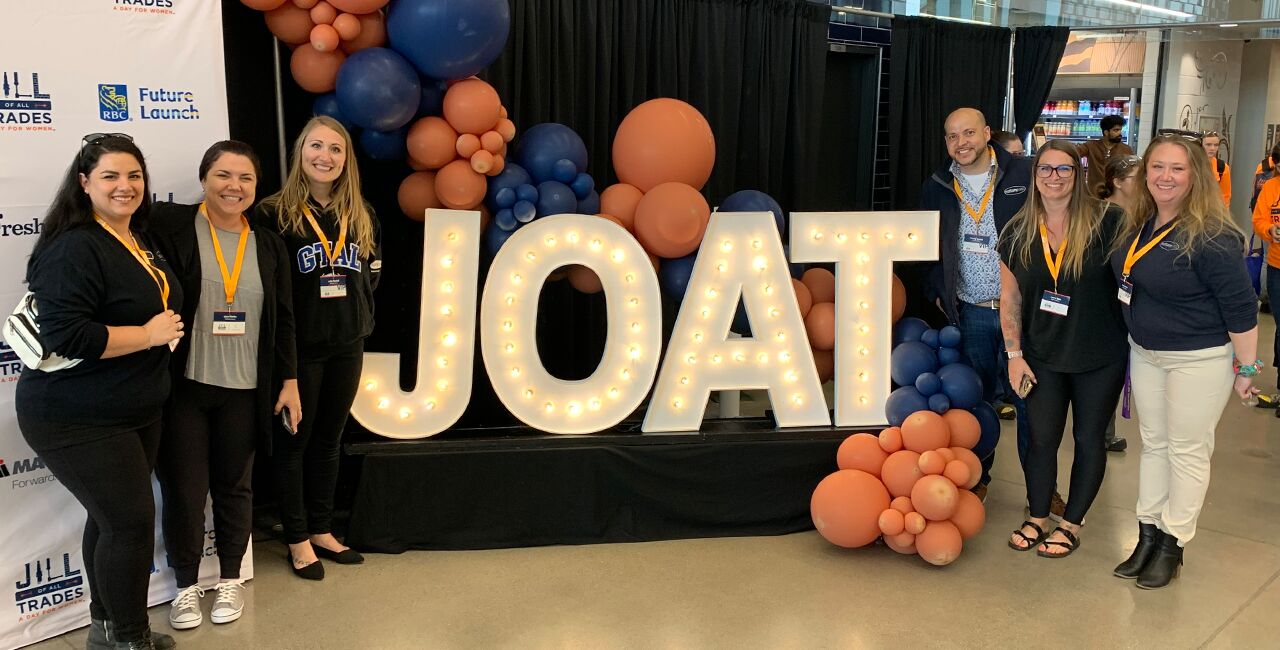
x=986, y=198
x=331, y=253
x=230, y=281
x=157, y=276
x=1130, y=259
x=1055, y=265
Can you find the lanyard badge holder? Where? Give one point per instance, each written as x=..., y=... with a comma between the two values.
x=1126, y=287
x=1053, y=302
x=158, y=276
x=332, y=285
x=229, y=322
x=974, y=243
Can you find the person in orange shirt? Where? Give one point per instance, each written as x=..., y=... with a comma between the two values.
x=1221, y=170
x=1266, y=222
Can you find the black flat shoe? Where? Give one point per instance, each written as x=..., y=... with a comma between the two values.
x=1117, y=444
x=97, y=639
x=313, y=571
x=345, y=556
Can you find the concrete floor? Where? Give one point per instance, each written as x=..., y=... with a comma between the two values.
x=798, y=591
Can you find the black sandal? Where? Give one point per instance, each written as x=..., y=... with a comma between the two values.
x=1031, y=543
x=1071, y=544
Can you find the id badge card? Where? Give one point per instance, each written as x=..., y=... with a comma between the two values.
x=229, y=323
x=1055, y=303
x=333, y=286
x=976, y=244
x=1126, y=292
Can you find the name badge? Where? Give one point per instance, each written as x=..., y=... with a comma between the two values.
x=976, y=244
x=333, y=286
x=1126, y=292
x=1055, y=303
x=229, y=323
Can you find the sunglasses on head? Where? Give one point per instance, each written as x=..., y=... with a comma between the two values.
x=1171, y=134
x=95, y=138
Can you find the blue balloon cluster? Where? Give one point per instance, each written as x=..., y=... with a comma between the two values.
x=926, y=368
x=754, y=201
x=449, y=39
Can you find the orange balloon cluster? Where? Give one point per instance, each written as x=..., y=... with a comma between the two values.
x=816, y=297
x=331, y=29
x=909, y=485
x=453, y=154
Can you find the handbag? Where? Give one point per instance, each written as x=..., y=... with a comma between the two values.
x=1253, y=262
x=22, y=332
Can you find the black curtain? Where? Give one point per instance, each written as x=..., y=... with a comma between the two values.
x=936, y=67
x=1036, y=53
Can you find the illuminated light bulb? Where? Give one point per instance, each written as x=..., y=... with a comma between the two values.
x=549, y=407
x=763, y=357
x=684, y=381
x=634, y=352
x=706, y=313
x=797, y=399
x=617, y=255
x=722, y=267
x=677, y=403
x=864, y=280
x=442, y=385
x=595, y=244
x=446, y=261
x=507, y=325
x=431, y=405
x=863, y=304
x=863, y=258
x=781, y=335
x=633, y=302
x=453, y=236
x=511, y=299
x=510, y=347
x=626, y=373
x=549, y=241
x=864, y=236
x=449, y=339
x=711, y=292
x=774, y=312
x=371, y=385
x=691, y=359
x=572, y=237
x=443, y=362
x=447, y=287
x=817, y=235
x=574, y=409
x=528, y=393
x=739, y=357
x=842, y=238
x=784, y=357
x=768, y=289
x=384, y=403
x=726, y=245
x=864, y=329
x=863, y=376
x=863, y=399
x=697, y=337
x=791, y=376
x=863, y=351
x=613, y=392
x=405, y=413
x=759, y=263
x=630, y=277
x=912, y=236
x=515, y=372
x=888, y=235
x=594, y=404
x=715, y=358
x=531, y=256
x=515, y=278
x=635, y=327
x=446, y=310
x=756, y=244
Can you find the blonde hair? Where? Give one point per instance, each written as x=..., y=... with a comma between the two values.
x=1084, y=215
x=1202, y=215
x=345, y=196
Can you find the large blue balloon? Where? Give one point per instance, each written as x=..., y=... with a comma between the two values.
x=327, y=104
x=543, y=145
x=432, y=102
x=673, y=275
x=910, y=360
x=378, y=89
x=590, y=204
x=908, y=329
x=555, y=198
x=754, y=201
x=495, y=237
x=961, y=384
x=449, y=39
x=511, y=177
x=990, y=425
x=383, y=145
x=902, y=403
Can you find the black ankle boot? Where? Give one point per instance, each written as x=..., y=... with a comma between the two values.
x=98, y=638
x=113, y=641
x=1148, y=540
x=1164, y=565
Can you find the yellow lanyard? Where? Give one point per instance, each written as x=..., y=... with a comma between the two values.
x=331, y=253
x=1055, y=265
x=1130, y=259
x=230, y=281
x=986, y=198
x=158, y=276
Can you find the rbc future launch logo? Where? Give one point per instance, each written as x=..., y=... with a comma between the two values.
x=150, y=104
x=113, y=102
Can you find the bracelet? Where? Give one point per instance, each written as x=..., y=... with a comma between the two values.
x=1247, y=370
x=1014, y=354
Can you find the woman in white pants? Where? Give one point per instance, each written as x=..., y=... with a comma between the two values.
x=1193, y=333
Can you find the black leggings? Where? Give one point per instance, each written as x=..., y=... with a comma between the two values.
x=306, y=463
x=1092, y=397
x=207, y=450
x=111, y=478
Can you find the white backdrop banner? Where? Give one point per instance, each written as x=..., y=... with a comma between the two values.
x=149, y=68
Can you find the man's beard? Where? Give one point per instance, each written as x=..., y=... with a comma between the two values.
x=1116, y=139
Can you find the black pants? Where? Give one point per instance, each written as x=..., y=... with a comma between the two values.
x=111, y=478
x=207, y=450
x=1092, y=397
x=306, y=463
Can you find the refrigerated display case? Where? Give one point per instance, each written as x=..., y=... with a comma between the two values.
x=1077, y=114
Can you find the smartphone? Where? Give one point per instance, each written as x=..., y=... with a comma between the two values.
x=1025, y=388
x=286, y=420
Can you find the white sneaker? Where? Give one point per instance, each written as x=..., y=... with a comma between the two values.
x=184, y=611
x=229, y=604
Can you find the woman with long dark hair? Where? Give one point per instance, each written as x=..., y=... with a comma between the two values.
x=106, y=296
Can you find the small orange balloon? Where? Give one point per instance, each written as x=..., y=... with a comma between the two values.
x=460, y=187
x=262, y=5
x=306, y=4
x=290, y=24
x=904, y=543
x=861, y=451
x=503, y=112
x=661, y=141
x=825, y=363
x=964, y=427
x=482, y=161
x=899, y=299
x=891, y=439
x=975, y=466
x=316, y=71
x=431, y=142
x=900, y=472
x=372, y=33
x=846, y=508
x=417, y=194
x=902, y=504
x=324, y=38
x=620, y=200
x=970, y=514
x=468, y=144
x=821, y=283
x=914, y=522
x=820, y=325
x=323, y=13
x=670, y=220
x=492, y=142
x=931, y=462
x=946, y=453
x=472, y=106
x=506, y=128
x=892, y=522
x=804, y=299
x=348, y=26
x=924, y=431
x=940, y=543
x=956, y=472
x=585, y=280
x=934, y=497
x=499, y=163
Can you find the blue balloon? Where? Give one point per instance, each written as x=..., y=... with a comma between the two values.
x=542, y=146
x=564, y=171
x=797, y=269
x=590, y=204
x=754, y=201
x=939, y=403
x=908, y=329
x=511, y=177
x=910, y=360
x=504, y=198
x=962, y=384
x=741, y=323
x=495, y=237
x=930, y=338
x=383, y=145
x=432, y=102
x=583, y=185
x=448, y=39
x=989, y=422
x=902, y=403
x=506, y=219
x=928, y=384
x=525, y=211
x=948, y=356
x=378, y=89
x=555, y=198
x=527, y=192
x=673, y=275
x=949, y=337
x=327, y=104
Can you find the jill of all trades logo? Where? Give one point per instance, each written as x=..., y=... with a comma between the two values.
x=151, y=104
x=10, y=369
x=46, y=585
x=23, y=106
x=145, y=6
x=25, y=472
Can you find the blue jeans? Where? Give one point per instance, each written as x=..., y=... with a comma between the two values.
x=982, y=343
x=1273, y=297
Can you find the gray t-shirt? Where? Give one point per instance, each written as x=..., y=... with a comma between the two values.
x=226, y=361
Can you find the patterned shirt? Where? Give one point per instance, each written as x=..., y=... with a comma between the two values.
x=979, y=274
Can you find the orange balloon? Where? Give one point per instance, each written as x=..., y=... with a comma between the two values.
x=820, y=325
x=262, y=5
x=492, y=141
x=499, y=163
x=904, y=543
x=825, y=362
x=940, y=543
x=891, y=439
x=324, y=38
x=861, y=451
x=804, y=299
x=821, y=283
x=468, y=144
x=902, y=504
x=585, y=280
x=348, y=26
x=460, y=187
x=975, y=466
x=482, y=162
x=506, y=128
x=931, y=462
x=373, y=33
x=956, y=472
x=663, y=141
x=900, y=472
x=892, y=522
x=418, y=193
x=359, y=6
x=846, y=508
x=934, y=497
x=316, y=71
x=620, y=201
x=946, y=453
x=914, y=522
x=899, y=299
x=924, y=431
x=306, y=4
x=472, y=106
x=503, y=112
x=323, y=13
x=290, y=24
x=671, y=219
x=970, y=514
x=964, y=427
x=431, y=142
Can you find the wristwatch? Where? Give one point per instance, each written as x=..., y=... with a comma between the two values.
x=1014, y=354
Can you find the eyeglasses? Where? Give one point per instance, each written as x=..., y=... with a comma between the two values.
x=1171, y=134
x=1063, y=171
x=95, y=138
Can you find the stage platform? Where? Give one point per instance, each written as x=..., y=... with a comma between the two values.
x=513, y=487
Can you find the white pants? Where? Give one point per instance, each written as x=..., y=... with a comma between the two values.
x=1180, y=397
